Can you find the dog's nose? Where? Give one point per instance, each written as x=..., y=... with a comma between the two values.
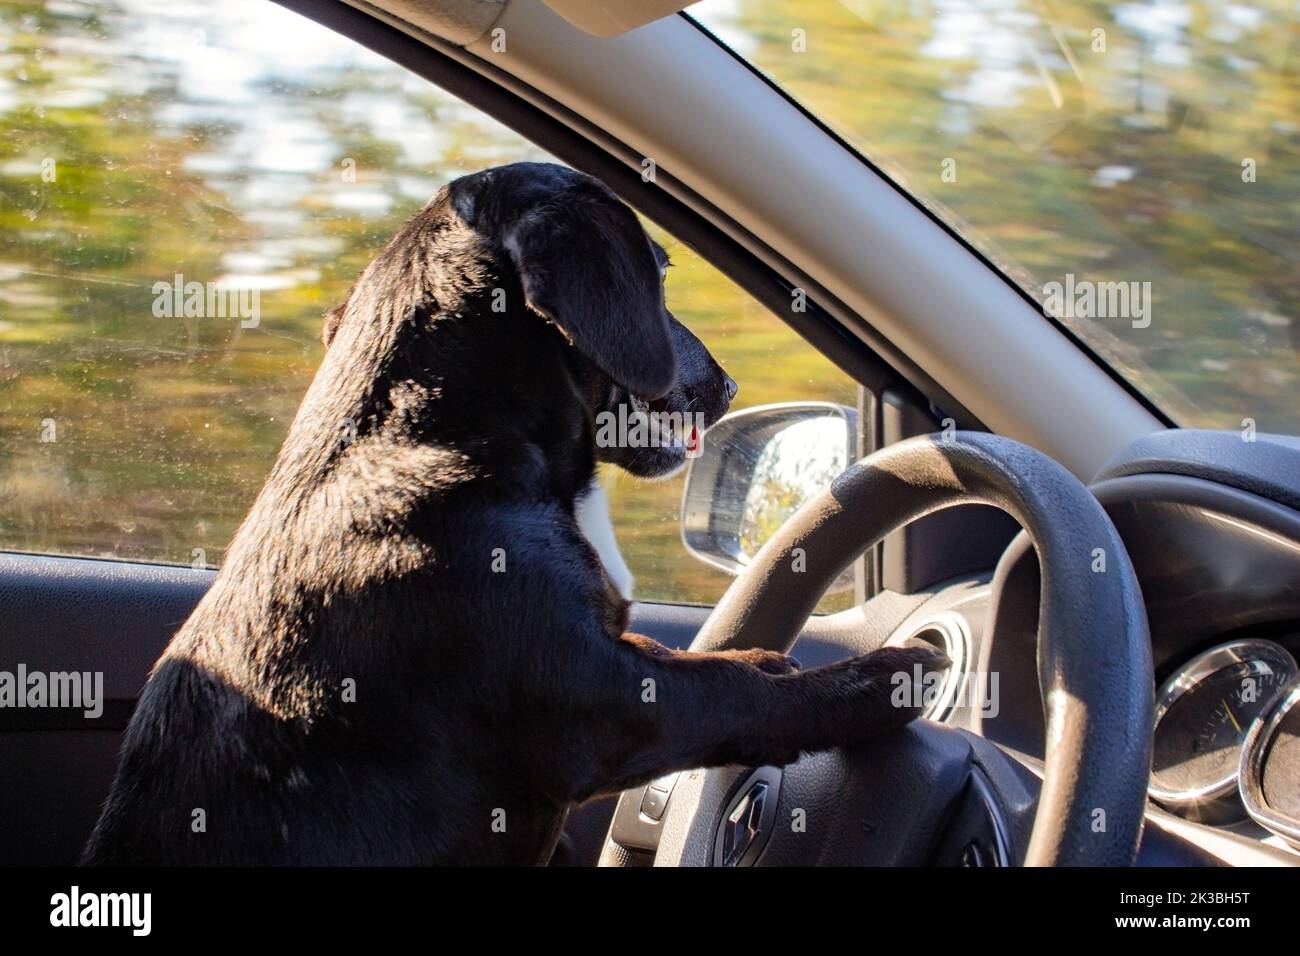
x=731, y=386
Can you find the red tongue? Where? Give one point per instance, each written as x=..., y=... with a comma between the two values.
x=693, y=440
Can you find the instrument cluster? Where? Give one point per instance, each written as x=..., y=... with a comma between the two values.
x=1227, y=738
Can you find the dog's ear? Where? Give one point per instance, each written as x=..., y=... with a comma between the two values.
x=587, y=265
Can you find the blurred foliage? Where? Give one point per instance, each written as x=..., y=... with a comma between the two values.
x=1096, y=138
x=238, y=143
x=181, y=145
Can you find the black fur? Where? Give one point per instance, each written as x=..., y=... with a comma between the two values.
x=362, y=685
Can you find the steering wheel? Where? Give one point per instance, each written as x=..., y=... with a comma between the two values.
x=932, y=793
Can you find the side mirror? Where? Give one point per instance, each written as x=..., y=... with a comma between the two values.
x=759, y=465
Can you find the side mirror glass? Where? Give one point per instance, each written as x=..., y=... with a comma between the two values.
x=759, y=466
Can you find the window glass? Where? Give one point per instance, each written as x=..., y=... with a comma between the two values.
x=1134, y=166
x=233, y=148
x=150, y=148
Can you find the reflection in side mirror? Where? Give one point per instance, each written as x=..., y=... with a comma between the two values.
x=759, y=466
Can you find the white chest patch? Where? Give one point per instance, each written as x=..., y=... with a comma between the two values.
x=592, y=513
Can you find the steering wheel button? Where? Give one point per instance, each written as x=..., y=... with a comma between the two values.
x=654, y=803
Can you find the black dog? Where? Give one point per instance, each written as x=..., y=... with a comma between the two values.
x=411, y=654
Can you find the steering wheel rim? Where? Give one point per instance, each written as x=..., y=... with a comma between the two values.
x=1094, y=655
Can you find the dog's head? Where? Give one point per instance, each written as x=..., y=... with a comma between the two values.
x=674, y=422
x=586, y=265
x=546, y=244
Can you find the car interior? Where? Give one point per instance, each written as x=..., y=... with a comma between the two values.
x=1116, y=583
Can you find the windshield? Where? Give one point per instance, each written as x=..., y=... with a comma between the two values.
x=1132, y=166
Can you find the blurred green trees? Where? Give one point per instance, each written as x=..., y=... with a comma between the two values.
x=239, y=144
x=141, y=141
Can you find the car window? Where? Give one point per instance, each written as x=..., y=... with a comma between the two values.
x=182, y=197
x=1134, y=167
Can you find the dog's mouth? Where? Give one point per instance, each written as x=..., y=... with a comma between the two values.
x=670, y=427
x=652, y=439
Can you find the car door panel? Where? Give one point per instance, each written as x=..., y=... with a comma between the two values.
x=61, y=614
x=76, y=615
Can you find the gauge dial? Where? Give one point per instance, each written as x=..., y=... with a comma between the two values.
x=1270, y=767
x=1203, y=713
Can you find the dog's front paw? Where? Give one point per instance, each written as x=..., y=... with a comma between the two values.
x=887, y=688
